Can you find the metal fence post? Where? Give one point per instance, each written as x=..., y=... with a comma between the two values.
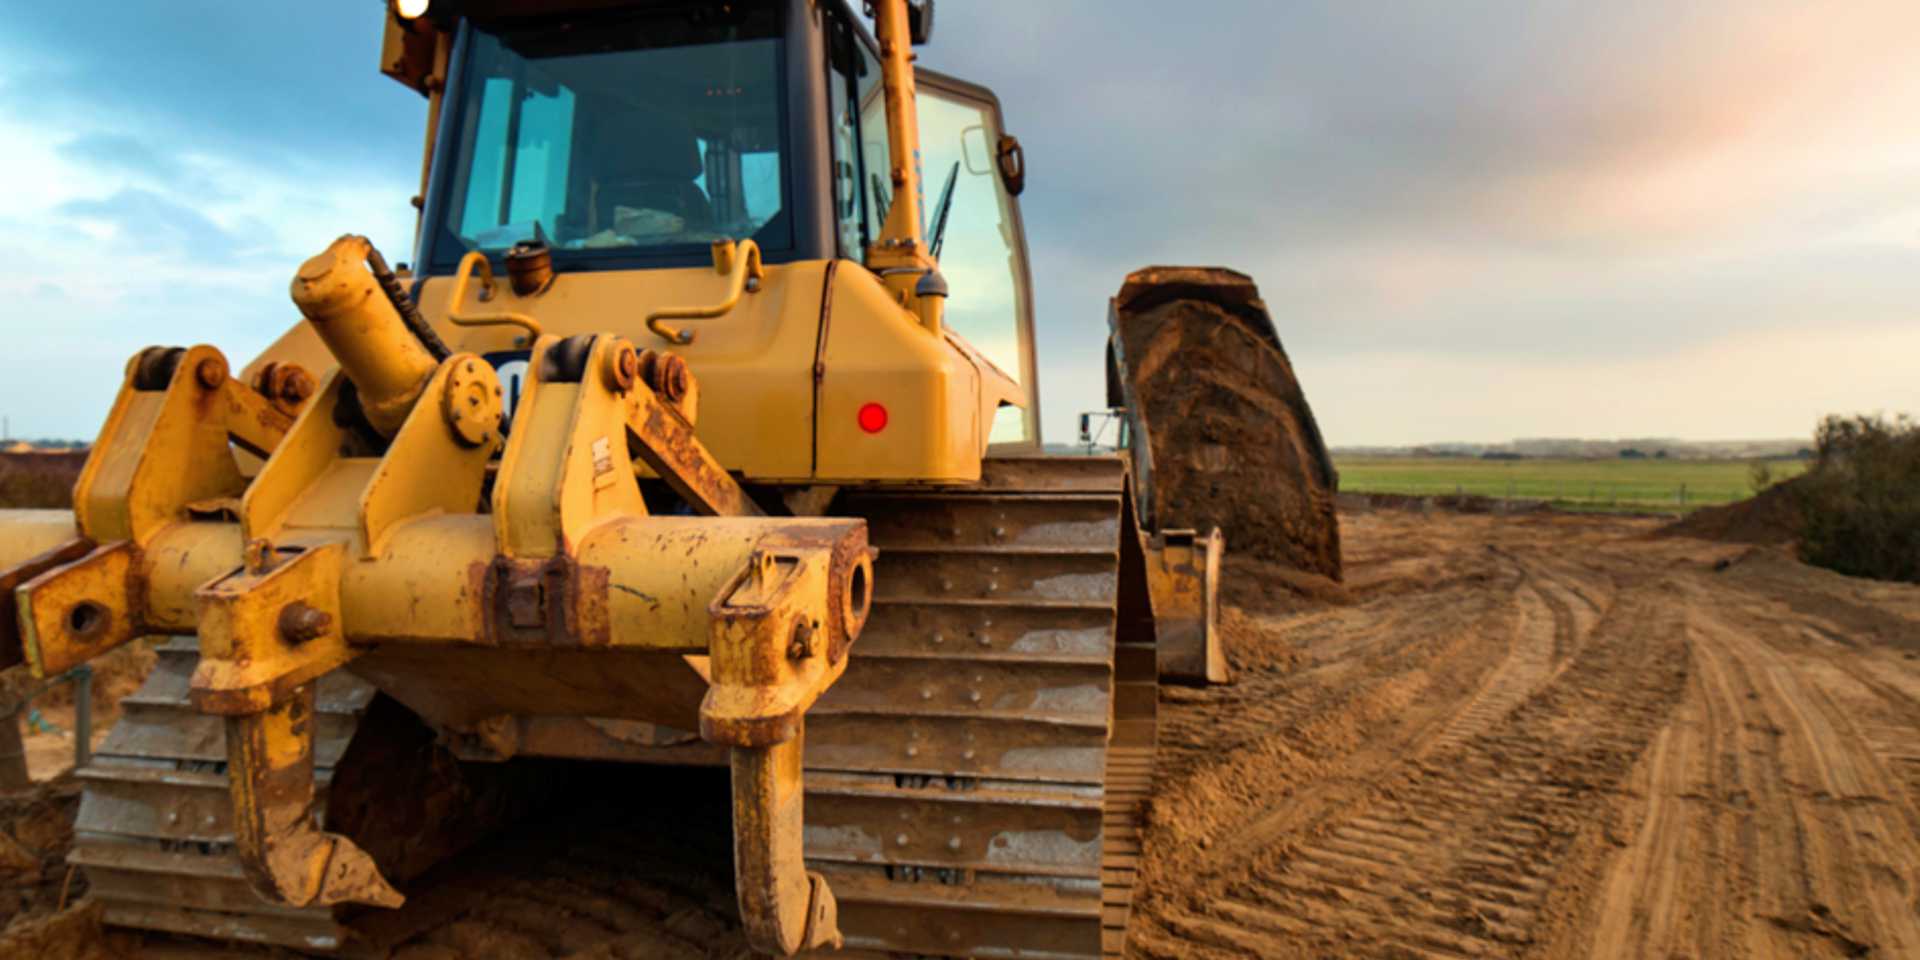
x=82, y=714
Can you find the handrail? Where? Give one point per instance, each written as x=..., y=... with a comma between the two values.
x=477, y=260
x=741, y=263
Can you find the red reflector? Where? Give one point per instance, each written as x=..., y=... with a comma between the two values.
x=873, y=418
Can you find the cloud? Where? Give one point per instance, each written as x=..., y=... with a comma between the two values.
x=1470, y=218
x=1494, y=183
x=142, y=220
x=294, y=84
x=121, y=154
x=181, y=160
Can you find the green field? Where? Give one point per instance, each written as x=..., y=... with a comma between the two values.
x=1667, y=486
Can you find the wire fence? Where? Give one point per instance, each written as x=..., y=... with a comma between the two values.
x=21, y=711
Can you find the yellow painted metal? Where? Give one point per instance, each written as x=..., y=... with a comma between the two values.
x=740, y=264
x=477, y=262
x=387, y=363
x=666, y=572
x=754, y=364
x=756, y=367
x=255, y=423
x=165, y=454
x=407, y=49
x=427, y=585
x=874, y=353
x=285, y=854
x=769, y=646
x=19, y=571
x=177, y=563
x=348, y=542
x=570, y=596
x=472, y=403
x=431, y=466
x=566, y=465
x=310, y=448
x=415, y=53
x=264, y=632
x=425, y=588
x=161, y=449
x=900, y=244
x=1183, y=586
x=784, y=907
x=770, y=660
x=80, y=610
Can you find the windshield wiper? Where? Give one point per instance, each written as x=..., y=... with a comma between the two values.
x=940, y=211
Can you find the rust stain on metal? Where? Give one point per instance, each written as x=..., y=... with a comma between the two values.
x=11, y=650
x=555, y=601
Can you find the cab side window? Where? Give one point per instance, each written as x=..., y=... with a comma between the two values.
x=860, y=180
x=978, y=238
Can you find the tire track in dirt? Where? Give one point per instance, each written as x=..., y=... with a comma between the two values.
x=1436, y=849
x=1373, y=677
x=1456, y=864
x=1774, y=821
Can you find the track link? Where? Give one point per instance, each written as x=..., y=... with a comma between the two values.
x=973, y=780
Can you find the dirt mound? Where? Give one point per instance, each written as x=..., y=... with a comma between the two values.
x=1220, y=421
x=1771, y=517
x=72, y=934
x=36, y=828
x=39, y=480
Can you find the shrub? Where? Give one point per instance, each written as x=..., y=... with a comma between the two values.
x=1861, y=498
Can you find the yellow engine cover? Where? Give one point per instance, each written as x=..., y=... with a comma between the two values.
x=783, y=377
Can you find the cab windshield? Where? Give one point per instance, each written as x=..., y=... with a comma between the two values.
x=642, y=134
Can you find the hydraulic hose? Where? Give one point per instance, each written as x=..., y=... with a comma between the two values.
x=404, y=305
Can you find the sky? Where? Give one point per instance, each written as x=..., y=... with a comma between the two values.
x=1471, y=220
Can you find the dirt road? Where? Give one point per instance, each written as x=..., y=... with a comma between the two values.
x=1548, y=737
x=1540, y=736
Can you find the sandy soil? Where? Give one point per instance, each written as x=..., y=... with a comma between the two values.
x=1548, y=736
x=1534, y=736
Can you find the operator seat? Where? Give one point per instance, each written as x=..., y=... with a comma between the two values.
x=648, y=160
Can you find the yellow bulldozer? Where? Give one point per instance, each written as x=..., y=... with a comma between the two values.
x=694, y=433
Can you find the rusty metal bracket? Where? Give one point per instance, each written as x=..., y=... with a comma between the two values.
x=769, y=648
x=437, y=460
x=285, y=854
x=769, y=664
x=12, y=650
x=266, y=634
x=666, y=443
x=166, y=444
x=554, y=602
x=588, y=410
x=79, y=610
x=269, y=630
x=1183, y=584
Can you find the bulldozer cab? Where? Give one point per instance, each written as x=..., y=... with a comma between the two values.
x=630, y=137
